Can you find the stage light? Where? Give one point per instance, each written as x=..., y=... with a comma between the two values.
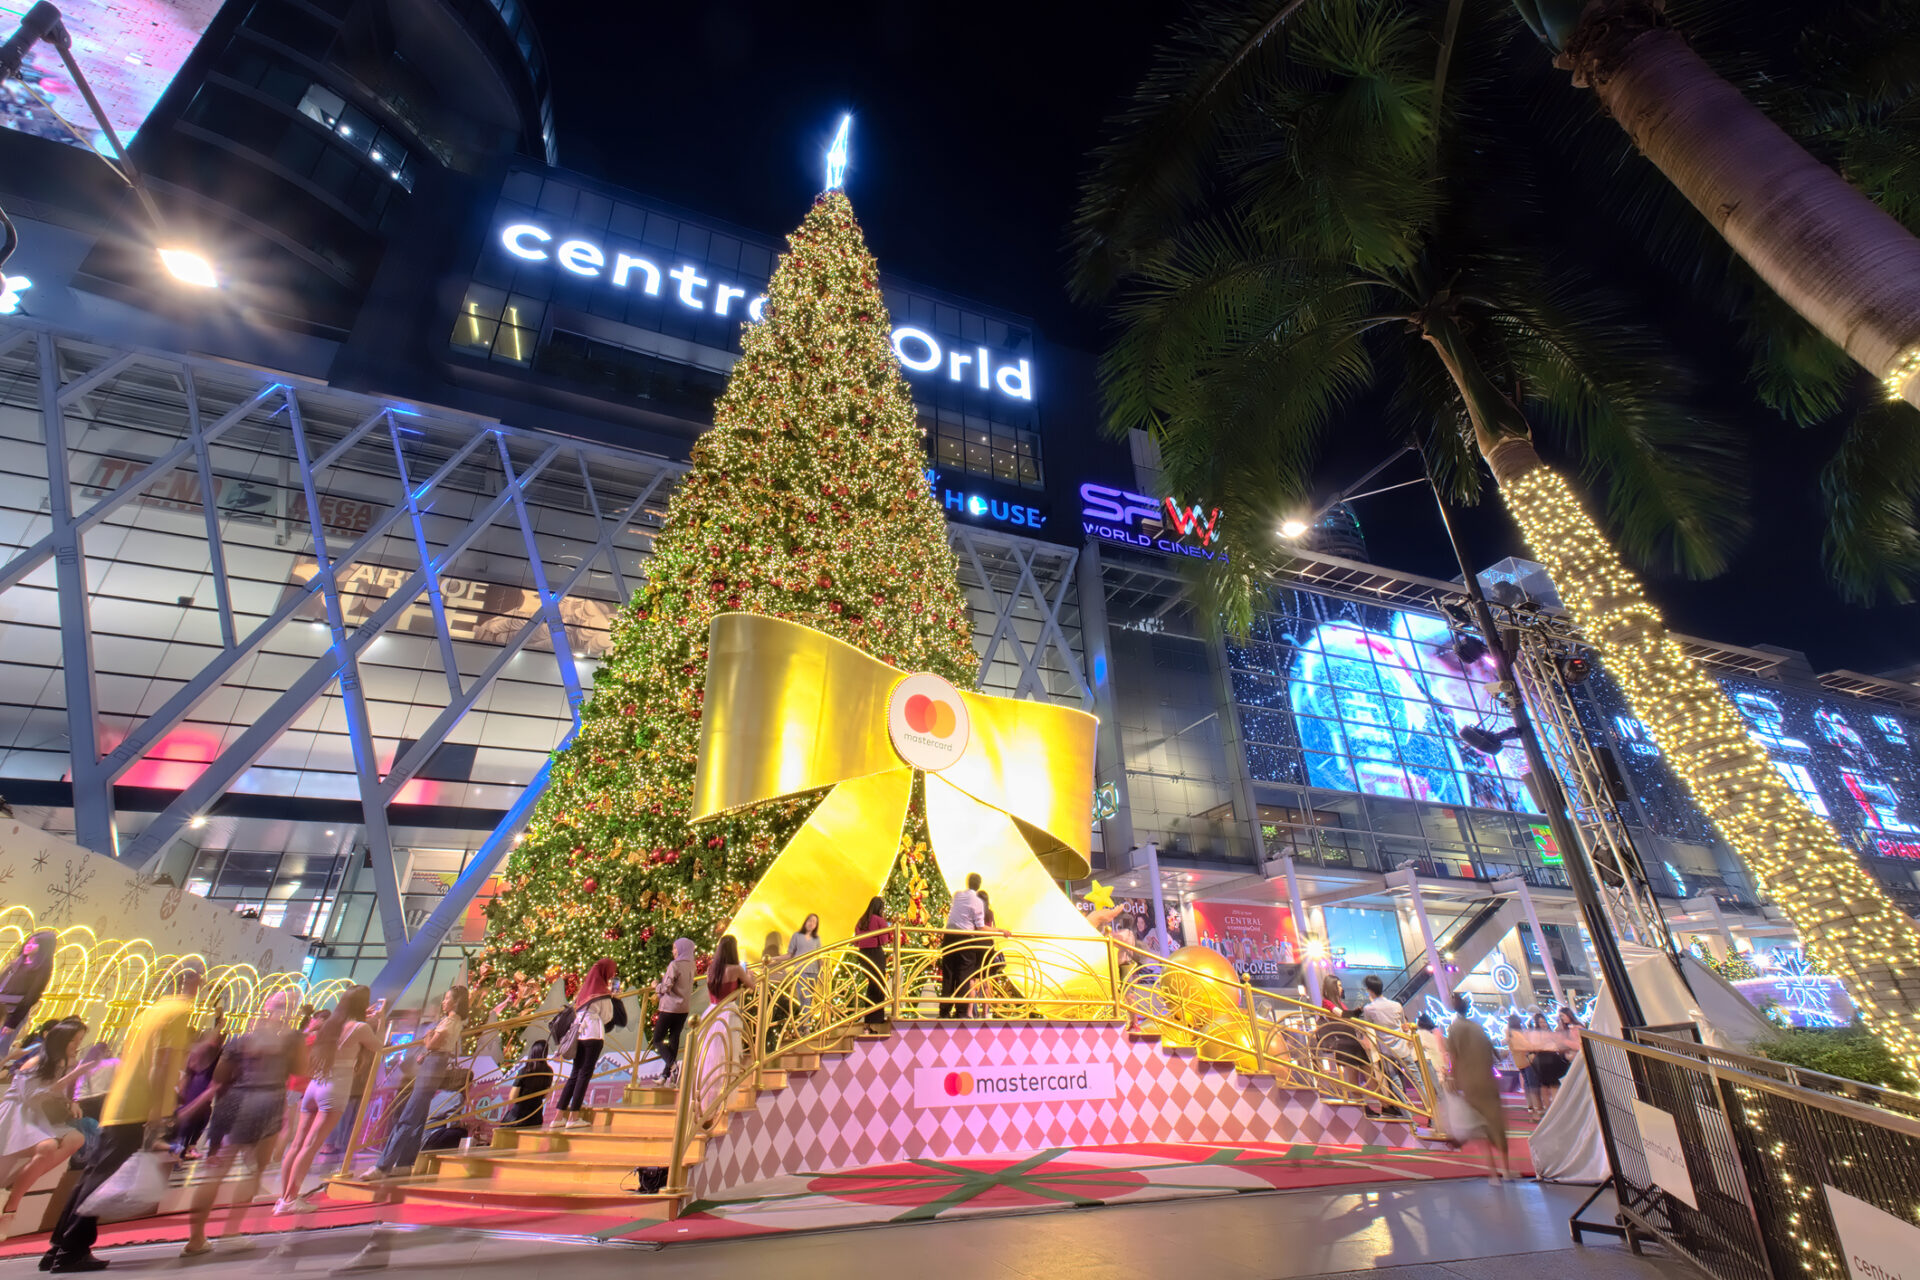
x=1293, y=528
x=1575, y=670
x=1486, y=740
x=189, y=267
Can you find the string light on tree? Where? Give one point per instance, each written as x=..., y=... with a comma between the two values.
x=1846, y=922
x=806, y=501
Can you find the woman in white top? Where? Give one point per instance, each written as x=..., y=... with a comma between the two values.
x=805, y=941
x=37, y=1113
x=336, y=1056
x=592, y=1010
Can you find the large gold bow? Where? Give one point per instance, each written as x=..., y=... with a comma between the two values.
x=1009, y=784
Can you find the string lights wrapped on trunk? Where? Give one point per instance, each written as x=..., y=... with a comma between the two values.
x=1845, y=921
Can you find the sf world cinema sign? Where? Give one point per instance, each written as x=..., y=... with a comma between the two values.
x=1135, y=520
x=918, y=351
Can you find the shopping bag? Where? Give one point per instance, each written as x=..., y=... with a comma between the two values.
x=134, y=1190
x=1461, y=1120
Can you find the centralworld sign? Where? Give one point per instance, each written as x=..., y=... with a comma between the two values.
x=920, y=352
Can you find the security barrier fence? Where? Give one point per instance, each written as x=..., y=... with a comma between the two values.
x=1749, y=1175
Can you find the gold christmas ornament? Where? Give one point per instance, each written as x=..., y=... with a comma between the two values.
x=1194, y=999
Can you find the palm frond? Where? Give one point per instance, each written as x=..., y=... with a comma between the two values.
x=1605, y=392
x=1165, y=141
x=1872, y=546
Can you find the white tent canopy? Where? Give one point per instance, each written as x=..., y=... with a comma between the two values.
x=1567, y=1146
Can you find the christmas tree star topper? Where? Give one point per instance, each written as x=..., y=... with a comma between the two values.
x=1100, y=895
x=837, y=155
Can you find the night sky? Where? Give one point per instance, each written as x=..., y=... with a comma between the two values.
x=971, y=127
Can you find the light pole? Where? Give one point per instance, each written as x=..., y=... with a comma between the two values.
x=1553, y=797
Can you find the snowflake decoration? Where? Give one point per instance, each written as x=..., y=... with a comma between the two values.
x=134, y=892
x=66, y=894
x=6, y=873
x=40, y=861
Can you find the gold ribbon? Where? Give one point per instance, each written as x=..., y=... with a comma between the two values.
x=791, y=710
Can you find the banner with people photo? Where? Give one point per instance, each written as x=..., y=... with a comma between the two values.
x=1258, y=940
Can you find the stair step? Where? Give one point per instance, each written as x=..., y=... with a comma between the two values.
x=552, y=1171
x=485, y=1193
x=599, y=1143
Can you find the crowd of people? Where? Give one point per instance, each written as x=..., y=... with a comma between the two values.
x=290, y=1086
x=1381, y=1066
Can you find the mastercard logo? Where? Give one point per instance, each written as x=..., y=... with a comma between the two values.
x=959, y=1083
x=930, y=716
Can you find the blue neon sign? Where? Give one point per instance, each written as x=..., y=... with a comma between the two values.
x=984, y=507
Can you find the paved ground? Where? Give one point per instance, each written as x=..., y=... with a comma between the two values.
x=1437, y=1231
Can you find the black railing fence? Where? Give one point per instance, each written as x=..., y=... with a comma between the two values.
x=1749, y=1175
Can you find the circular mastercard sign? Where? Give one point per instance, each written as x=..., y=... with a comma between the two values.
x=927, y=722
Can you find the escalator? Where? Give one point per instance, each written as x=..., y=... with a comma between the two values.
x=1468, y=942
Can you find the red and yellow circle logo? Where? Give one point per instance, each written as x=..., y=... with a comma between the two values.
x=931, y=715
x=959, y=1083
x=927, y=722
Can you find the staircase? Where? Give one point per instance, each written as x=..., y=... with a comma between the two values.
x=587, y=1169
x=1467, y=943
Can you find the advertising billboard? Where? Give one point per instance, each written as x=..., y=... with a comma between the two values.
x=1363, y=698
x=130, y=51
x=1256, y=939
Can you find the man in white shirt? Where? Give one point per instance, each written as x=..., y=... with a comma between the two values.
x=1396, y=1053
x=959, y=957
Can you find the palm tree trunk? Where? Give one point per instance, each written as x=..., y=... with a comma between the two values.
x=1832, y=254
x=1846, y=922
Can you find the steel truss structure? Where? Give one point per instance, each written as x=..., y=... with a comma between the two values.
x=326, y=592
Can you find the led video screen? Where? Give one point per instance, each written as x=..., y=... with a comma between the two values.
x=130, y=50
x=1361, y=698
x=1854, y=765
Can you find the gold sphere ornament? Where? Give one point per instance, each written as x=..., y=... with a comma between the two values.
x=1197, y=985
x=1226, y=1038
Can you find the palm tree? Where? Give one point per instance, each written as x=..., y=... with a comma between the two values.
x=1821, y=244
x=1288, y=222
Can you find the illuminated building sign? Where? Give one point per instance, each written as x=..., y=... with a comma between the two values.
x=984, y=507
x=1135, y=520
x=919, y=352
x=1887, y=848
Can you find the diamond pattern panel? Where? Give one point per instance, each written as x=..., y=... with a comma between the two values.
x=858, y=1109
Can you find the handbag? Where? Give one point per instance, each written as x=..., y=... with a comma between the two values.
x=134, y=1190
x=1462, y=1121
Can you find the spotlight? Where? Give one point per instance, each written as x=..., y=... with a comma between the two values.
x=1485, y=740
x=189, y=267
x=1575, y=670
x=1293, y=528
x=1464, y=649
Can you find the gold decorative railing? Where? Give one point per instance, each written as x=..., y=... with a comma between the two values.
x=801, y=1005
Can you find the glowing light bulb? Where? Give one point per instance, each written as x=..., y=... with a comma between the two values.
x=188, y=267
x=1293, y=528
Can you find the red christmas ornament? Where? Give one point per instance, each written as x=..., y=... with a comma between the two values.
x=590, y=885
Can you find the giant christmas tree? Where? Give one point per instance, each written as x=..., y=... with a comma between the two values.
x=808, y=500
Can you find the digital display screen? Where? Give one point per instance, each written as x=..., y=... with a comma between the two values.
x=1364, y=938
x=130, y=51
x=1363, y=698
x=1853, y=764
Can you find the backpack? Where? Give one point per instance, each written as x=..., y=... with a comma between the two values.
x=619, y=1018
x=559, y=1024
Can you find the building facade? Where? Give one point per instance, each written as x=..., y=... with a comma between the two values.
x=303, y=578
